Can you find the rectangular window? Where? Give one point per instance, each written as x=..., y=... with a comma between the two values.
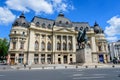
x=14, y=45
x=21, y=45
x=21, y=58
x=36, y=58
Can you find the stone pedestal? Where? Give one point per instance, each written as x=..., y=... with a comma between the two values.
x=84, y=55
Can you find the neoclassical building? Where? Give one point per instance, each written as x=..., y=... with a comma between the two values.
x=47, y=41
x=114, y=50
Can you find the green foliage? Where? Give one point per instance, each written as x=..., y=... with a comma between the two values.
x=4, y=45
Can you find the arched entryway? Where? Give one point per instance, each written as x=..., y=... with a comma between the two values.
x=65, y=59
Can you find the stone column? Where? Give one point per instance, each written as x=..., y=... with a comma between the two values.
x=74, y=57
x=73, y=44
x=46, y=59
x=40, y=43
x=61, y=43
x=103, y=46
x=39, y=55
x=16, y=57
x=93, y=45
x=31, y=59
x=62, y=59
x=18, y=44
x=53, y=58
x=46, y=42
x=55, y=42
x=25, y=58
x=11, y=45
x=68, y=58
x=67, y=43
x=56, y=58
x=105, y=59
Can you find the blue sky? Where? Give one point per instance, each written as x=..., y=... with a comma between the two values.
x=105, y=12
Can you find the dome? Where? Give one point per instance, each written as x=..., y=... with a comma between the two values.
x=97, y=28
x=62, y=21
x=21, y=21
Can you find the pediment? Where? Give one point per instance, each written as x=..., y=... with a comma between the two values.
x=64, y=30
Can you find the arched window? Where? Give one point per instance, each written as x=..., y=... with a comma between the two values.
x=37, y=24
x=36, y=45
x=15, y=24
x=67, y=23
x=22, y=45
x=64, y=46
x=58, y=46
x=43, y=46
x=49, y=26
x=99, y=48
x=43, y=25
x=49, y=46
x=70, y=46
x=76, y=28
x=60, y=22
x=14, y=45
x=23, y=24
x=14, y=32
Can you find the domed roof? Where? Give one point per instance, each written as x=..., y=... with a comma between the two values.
x=21, y=21
x=62, y=21
x=97, y=28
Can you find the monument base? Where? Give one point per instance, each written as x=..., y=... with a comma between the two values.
x=84, y=55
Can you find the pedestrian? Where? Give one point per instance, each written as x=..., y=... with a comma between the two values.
x=24, y=65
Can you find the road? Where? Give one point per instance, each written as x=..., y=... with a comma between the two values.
x=62, y=74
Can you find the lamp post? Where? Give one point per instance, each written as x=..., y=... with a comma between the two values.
x=53, y=42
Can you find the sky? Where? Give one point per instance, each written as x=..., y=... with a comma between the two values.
x=105, y=12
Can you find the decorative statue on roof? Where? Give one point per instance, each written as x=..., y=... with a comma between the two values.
x=82, y=37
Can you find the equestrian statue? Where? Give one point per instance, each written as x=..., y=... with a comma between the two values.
x=82, y=37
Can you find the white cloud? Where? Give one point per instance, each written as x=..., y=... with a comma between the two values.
x=113, y=30
x=112, y=38
x=6, y=16
x=46, y=6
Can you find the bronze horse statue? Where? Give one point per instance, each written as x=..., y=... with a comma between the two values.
x=82, y=37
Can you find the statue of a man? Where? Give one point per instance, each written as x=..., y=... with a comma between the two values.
x=80, y=34
x=82, y=37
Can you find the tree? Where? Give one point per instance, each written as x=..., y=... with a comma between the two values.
x=4, y=45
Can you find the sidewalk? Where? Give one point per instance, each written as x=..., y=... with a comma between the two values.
x=64, y=66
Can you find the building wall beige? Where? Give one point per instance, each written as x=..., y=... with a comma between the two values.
x=45, y=41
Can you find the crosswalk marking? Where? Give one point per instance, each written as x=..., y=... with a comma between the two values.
x=2, y=75
x=77, y=74
x=88, y=77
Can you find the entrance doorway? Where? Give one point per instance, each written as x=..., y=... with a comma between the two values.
x=12, y=58
x=65, y=59
x=12, y=61
x=59, y=60
x=101, y=58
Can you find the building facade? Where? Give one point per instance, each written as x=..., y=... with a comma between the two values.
x=46, y=41
x=114, y=50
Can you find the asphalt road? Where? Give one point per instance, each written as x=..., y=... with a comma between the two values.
x=62, y=74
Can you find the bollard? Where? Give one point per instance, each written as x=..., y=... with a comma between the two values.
x=54, y=67
x=18, y=68
x=76, y=67
x=113, y=66
x=29, y=68
x=65, y=66
x=86, y=66
x=42, y=67
x=95, y=66
x=4, y=68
